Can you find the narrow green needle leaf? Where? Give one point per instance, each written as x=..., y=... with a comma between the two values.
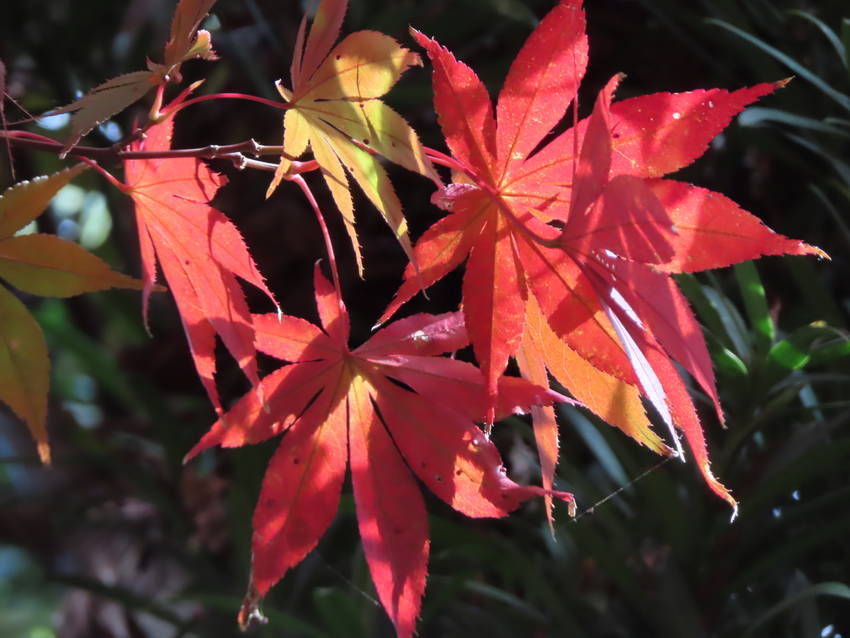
x=828, y=33
x=729, y=363
x=837, y=590
x=755, y=304
x=792, y=64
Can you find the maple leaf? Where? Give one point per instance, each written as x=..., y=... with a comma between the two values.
x=200, y=251
x=334, y=109
x=616, y=402
x=44, y=265
x=116, y=94
x=596, y=277
x=393, y=408
x=104, y=101
x=186, y=41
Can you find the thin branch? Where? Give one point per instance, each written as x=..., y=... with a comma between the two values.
x=282, y=106
x=121, y=186
x=212, y=151
x=325, y=234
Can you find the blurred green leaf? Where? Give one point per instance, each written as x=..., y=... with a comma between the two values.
x=728, y=362
x=795, y=351
x=837, y=590
x=792, y=64
x=730, y=318
x=838, y=164
x=759, y=115
x=704, y=307
x=755, y=303
x=339, y=612
x=835, y=214
x=594, y=440
x=828, y=33
x=512, y=9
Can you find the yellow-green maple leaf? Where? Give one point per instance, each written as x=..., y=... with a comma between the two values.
x=335, y=110
x=116, y=94
x=42, y=265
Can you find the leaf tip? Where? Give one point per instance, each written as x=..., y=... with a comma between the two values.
x=44, y=452
x=250, y=613
x=421, y=39
x=817, y=252
x=718, y=488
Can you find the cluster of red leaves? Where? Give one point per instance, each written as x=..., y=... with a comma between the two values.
x=580, y=236
x=332, y=403
x=569, y=249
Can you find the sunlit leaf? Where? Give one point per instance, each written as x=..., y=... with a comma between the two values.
x=335, y=110
x=601, y=277
x=396, y=433
x=200, y=251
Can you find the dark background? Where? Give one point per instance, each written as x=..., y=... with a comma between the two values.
x=120, y=539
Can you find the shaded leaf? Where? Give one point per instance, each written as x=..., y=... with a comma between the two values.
x=23, y=202
x=104, y=101
x=24, y=368
x=116, y=94
x=52, y=267
x=40, y=265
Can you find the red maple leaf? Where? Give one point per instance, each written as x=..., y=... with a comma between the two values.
x=598, y=273
x=392, y=408
x=200, y=252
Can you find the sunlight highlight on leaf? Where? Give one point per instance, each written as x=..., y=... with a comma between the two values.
x=335, y=93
